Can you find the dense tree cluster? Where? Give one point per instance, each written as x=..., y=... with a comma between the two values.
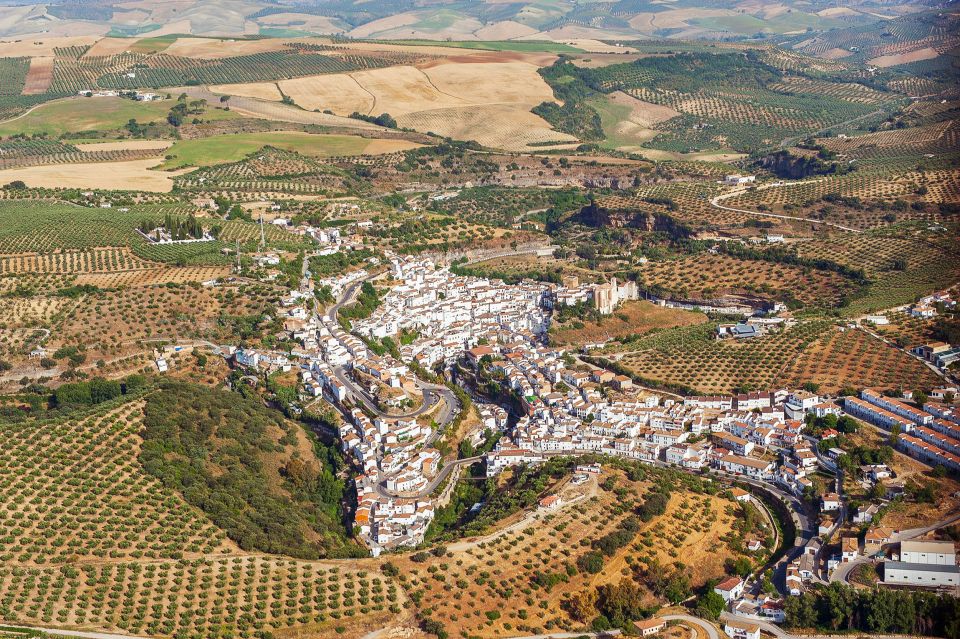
x=94, y=391
x=840, y=607
x=220, y=451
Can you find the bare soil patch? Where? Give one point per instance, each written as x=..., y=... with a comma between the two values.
x=927, y=53
x=16, y=47
x=124, y=145
x=504, y=126
x=108, y=46
x=40, y=75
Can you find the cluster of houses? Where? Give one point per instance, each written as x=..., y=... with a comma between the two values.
x=926, y=307
x=754, y=435
x=449, y=314
x=393, y=453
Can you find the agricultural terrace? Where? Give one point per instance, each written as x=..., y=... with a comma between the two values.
x=691, y=359
x=724, y=101
x=242, y=596
x=707, y=276
x=88, y=498
x=233, y=148
x=631, y=318
x=165, y=70
x=903, y=262
x=873, y=195
x=844, y=357
x=112, y=323
x=905, y=330
x=40, y=228
x=553, y=570
x=937, y=138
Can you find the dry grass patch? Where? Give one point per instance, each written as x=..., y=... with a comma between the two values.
x=134, y=174
x=258, y=90
x=631, y=318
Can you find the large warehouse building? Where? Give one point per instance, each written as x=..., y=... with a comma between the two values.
x=924, y=563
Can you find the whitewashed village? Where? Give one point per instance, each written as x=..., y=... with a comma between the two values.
x=477, y=330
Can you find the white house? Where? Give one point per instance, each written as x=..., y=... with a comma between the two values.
x=730, y=588
x=741, y=630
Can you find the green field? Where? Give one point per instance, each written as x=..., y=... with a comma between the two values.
x=235, y=147
x=153, y=45
x=612, y=117
x=529, y=46
x=78, y=115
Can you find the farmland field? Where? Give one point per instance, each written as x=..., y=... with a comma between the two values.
x=28, y=228
x=112, y=175
x=147, y=545
x=529, y=46
x=494, y=569
x=708, y=276
x=692, y=358
x=76, y=115
x=231, y=148
x=853, y=358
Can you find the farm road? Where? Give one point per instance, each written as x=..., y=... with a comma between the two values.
x=715, y=202
x=80, y=634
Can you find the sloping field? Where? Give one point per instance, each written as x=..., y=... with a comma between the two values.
x=213, y=48
x=498, y=126
x=15, y=48
x=277, y=111
x=108, y=46
x=340, y=93
x=927, y=53
x=74, y=115
x=40, y=75
x=258, y=90
x=453, y=99
x=101, y=175
x=235, y=147
x=124, y=145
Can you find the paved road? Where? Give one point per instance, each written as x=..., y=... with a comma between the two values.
x=715, y=202
x=571, y=635
x=705, y=626
x=432, y=485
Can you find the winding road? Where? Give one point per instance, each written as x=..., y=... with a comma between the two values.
x=433, y=395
